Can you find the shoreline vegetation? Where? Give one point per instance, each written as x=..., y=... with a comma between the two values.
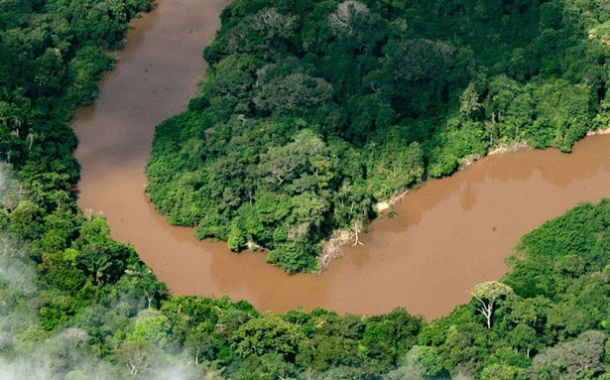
x=314, y=114
x=76, y=305
x=331, y=248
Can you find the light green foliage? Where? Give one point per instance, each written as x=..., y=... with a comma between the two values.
x=504, y=372
x=237, y=236
x=22, y=219
x=151, y=327
x=83, y=70
x=394, y=167
x=491, y=290
x=564, y=109
x=71, y=255
x=487, y=294
x=267, y=334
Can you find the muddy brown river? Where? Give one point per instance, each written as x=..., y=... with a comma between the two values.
x=447, y=236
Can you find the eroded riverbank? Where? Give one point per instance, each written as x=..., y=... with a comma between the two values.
x=447, y=236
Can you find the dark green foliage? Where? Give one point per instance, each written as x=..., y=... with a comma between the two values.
x=267, y=334
x=75, y=304
x=327, y=107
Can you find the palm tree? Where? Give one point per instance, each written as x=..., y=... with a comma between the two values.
x=96, y=265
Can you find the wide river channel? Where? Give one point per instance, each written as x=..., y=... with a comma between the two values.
x=447, y=236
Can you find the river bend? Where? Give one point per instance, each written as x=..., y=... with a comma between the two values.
x=448, y=235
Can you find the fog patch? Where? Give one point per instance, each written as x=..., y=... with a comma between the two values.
x=27, y=352
x=17, y=275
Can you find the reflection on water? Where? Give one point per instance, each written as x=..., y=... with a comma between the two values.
x=447, y=236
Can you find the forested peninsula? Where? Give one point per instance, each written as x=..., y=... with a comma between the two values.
x=315, y=111
x=76, y=305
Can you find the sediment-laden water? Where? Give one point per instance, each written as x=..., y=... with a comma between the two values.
x=447, y=236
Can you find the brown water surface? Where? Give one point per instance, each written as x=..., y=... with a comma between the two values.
x=447, y=236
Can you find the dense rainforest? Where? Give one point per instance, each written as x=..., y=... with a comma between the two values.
x=315, y=111
x=75, y=304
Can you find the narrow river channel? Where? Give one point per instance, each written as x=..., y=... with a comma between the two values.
x=447, y=236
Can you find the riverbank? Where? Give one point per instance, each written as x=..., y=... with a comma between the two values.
x=332, y=248
x=440, y=244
